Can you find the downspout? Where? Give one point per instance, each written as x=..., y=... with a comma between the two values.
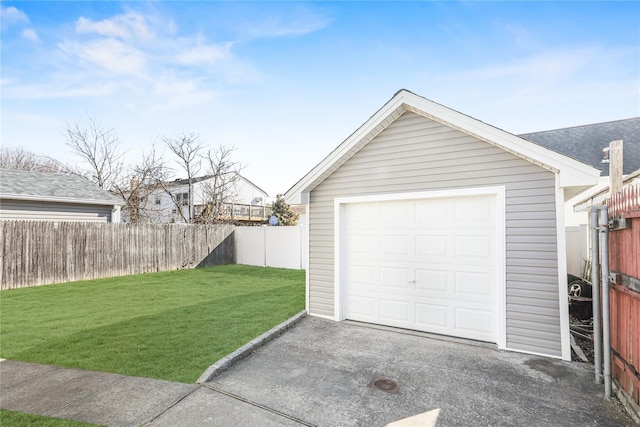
x=606, y=333
x=595, y=281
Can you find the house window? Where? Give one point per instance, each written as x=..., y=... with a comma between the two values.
x=158, y=200
x=182, y=199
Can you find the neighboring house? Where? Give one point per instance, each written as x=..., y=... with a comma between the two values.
x=27, y=195
x=586, y=143
x=428, y=219
x=596, y=197
x=245, y=201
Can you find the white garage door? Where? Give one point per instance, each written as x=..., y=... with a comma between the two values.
x=427, y=264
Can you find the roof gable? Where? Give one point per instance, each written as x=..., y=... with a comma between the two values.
x=52, y=187
x=571, y=172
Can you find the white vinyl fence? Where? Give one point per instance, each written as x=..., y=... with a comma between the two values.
x=283, y=247
x=577, y=249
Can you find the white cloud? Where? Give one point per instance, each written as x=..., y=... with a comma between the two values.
x=176, y=93
x=30, y=34
x=10, y=15
x=145, y=59
x=277, y=26
x=210, y=54
x=556, y=84
x=126, y=26
x=69, y=88
x=541, y=66
x=109, y=55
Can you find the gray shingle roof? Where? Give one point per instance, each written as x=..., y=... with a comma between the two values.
x=52, y=186
x=185, y=181
x=585, y=143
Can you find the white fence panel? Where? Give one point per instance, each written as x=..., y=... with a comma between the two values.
x=282, y=247
x=577, y=249
x=249, y=245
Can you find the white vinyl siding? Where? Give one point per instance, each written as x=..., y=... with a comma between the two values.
x=417, y=154
x=52, y=211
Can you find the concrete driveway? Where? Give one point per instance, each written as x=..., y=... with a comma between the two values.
x=320, y=373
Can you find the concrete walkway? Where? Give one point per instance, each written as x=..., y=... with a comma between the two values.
x=94, y=397
x=322, y=373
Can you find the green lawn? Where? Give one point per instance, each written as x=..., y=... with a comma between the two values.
x=20, y=419
x=169, y=325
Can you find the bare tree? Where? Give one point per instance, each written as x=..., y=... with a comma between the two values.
x=99, y=148
x=187, y=148
x=138, y=185
x=21, y=159
x=220, y=188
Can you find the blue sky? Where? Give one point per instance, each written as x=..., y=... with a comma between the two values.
x=286, y=82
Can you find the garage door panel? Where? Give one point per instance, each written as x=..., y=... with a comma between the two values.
x=468, y=262
x=474, y=285
x=432, y=245
x=428, y=281
x=361, y=274
x=430, y=316
x=394, y=311
x=396, y=278
x=430, y=212
x=473, y=246
x=473, y=320
x=425, y=264
x=362, y=307
x=362, y=244
x=394, y=214
x=473, y=209
x=362, y=214
x=394, y=245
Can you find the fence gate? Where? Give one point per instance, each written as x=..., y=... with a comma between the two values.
x=624, y=293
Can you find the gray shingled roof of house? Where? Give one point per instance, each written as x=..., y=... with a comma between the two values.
x=30, y=185
x=185, y=181
x=585, y=143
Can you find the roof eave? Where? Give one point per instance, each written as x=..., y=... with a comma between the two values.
x=60, y=200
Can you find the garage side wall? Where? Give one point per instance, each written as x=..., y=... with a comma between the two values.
x=415, y=154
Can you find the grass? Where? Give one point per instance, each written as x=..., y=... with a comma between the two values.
x=20, y=419
x=169, y=325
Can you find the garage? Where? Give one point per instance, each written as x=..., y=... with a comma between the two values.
x=426, y=264
x=427, y=219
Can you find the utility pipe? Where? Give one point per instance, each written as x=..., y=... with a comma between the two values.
x=595, y=282
x=606, y=333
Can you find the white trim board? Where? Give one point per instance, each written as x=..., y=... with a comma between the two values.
x=498, y=192
x=561, y=245
x=70, y=200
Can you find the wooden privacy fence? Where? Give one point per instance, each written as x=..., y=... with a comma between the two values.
x=624, y=265
x=37, y=253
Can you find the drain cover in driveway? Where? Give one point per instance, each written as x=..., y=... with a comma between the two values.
x=385, y=384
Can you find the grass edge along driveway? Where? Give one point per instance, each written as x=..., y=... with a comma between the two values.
x=170, y=325
x=21, y=419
